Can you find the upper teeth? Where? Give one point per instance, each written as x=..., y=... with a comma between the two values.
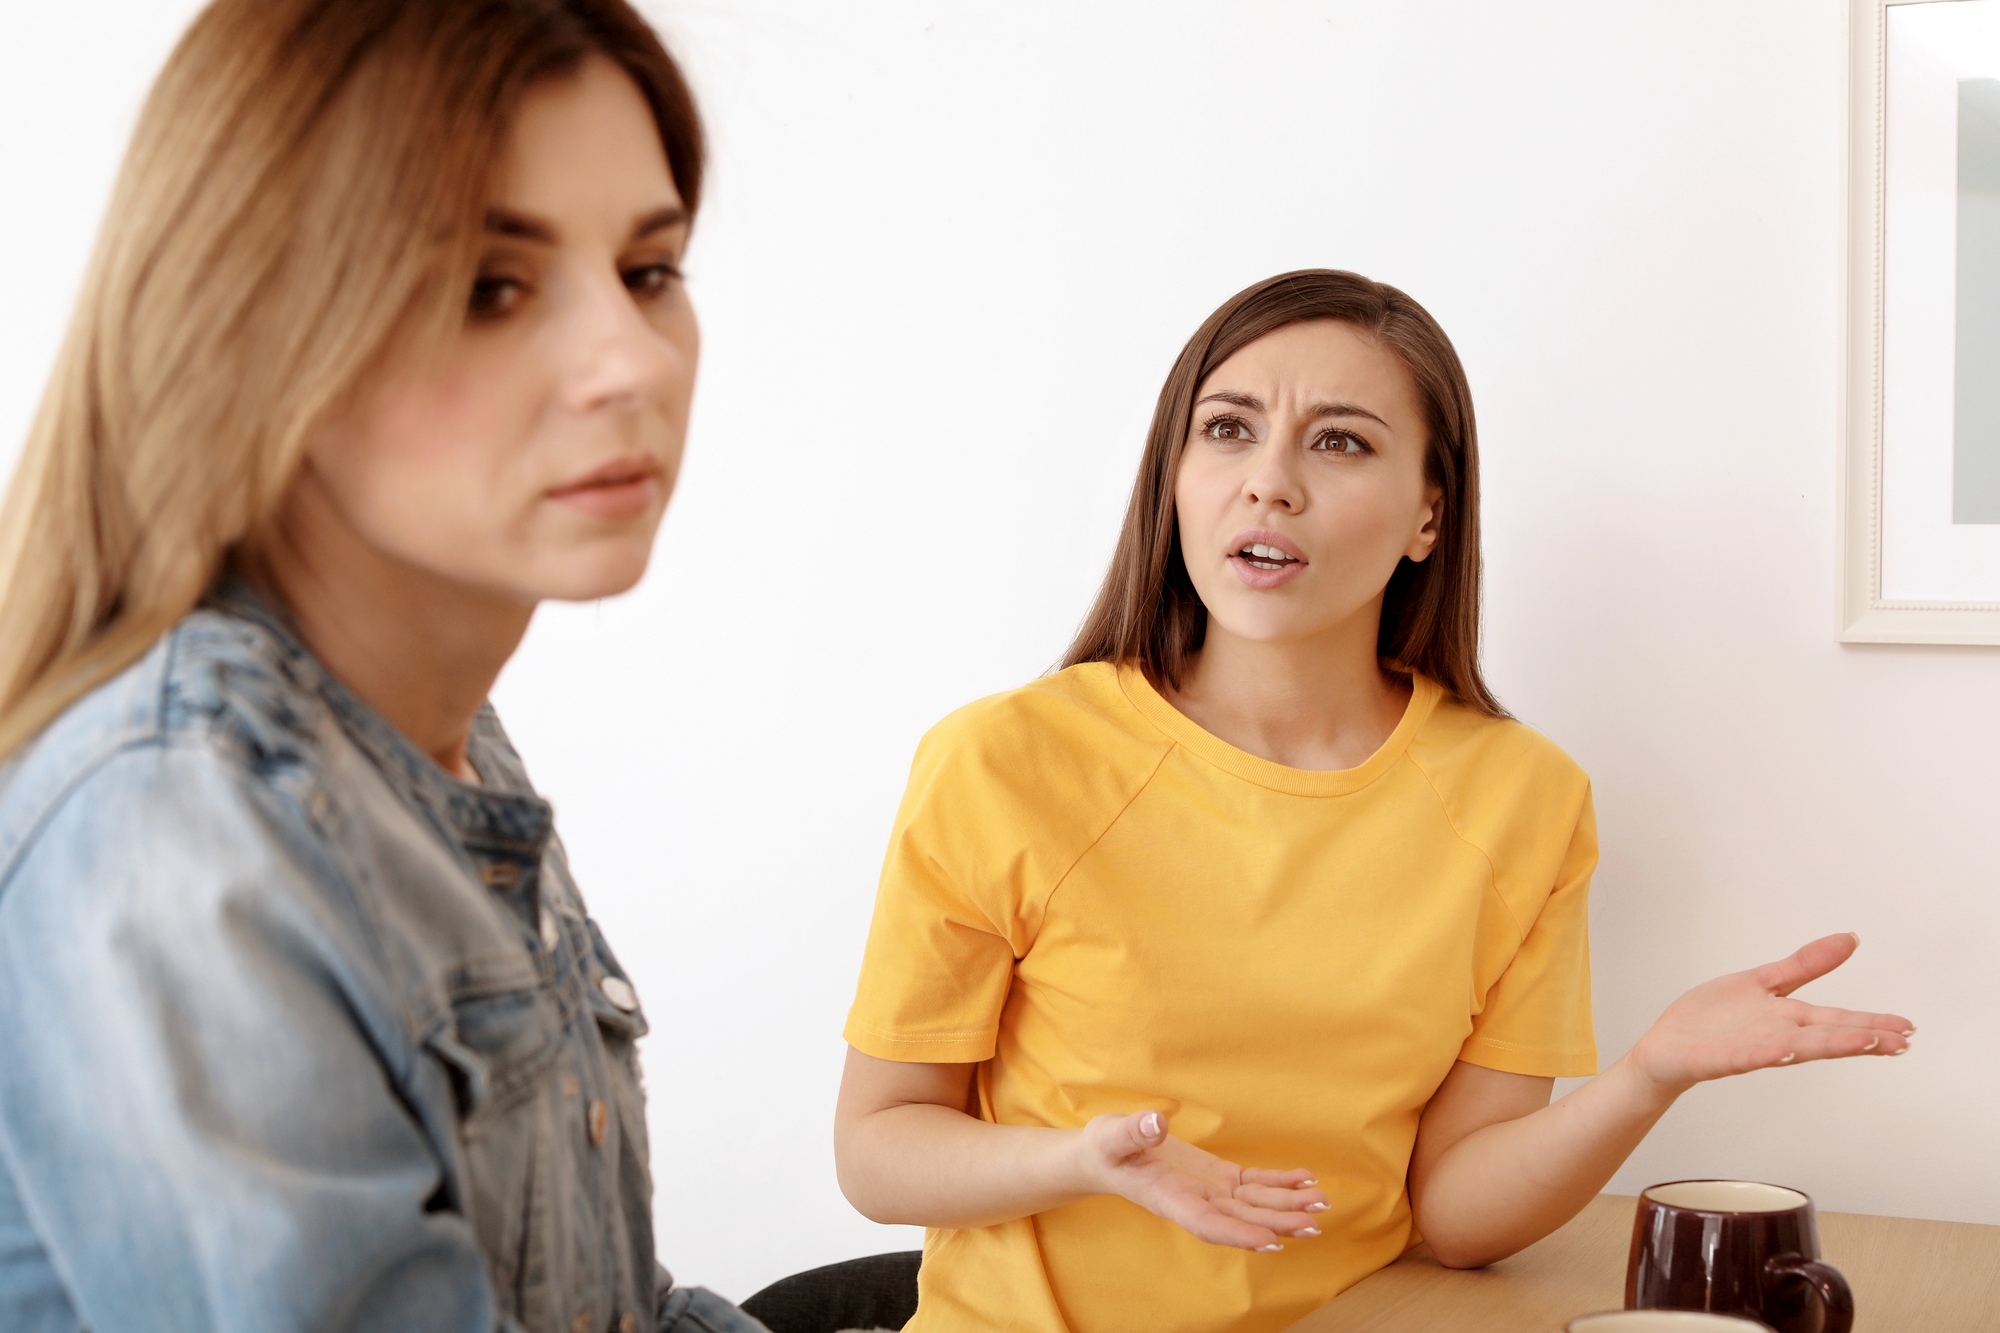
x=1263, y=552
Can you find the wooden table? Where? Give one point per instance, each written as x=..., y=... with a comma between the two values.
x=1908, y=1277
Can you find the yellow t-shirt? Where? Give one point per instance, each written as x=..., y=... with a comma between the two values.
x=1113, y=910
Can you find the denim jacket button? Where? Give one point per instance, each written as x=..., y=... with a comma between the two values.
x=600, y=1120
x=619, y=991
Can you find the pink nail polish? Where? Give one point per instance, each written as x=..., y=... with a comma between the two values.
x=1306, y=1184
x=1269, y=1249
x=1308, y=1231
x=1151, y=1124
x=1788, y=1058
x=1318, y=1207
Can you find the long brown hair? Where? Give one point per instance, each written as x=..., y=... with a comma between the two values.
x=308, y=180
x=1148, y=612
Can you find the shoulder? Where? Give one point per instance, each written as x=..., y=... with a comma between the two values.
x=1491, y=759
x=1074, y=726
x=1513, y=794
x=218, y=713
x=1029, y=778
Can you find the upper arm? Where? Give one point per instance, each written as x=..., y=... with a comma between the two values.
x=1470, y=1098
x=869, y=1084
x=200, y=1111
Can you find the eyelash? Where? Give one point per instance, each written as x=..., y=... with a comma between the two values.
x=1225, y=419
x=487, y=286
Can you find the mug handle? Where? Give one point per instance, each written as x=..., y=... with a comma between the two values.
x=1827, y=1284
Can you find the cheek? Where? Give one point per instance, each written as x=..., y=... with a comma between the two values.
x=431, y=458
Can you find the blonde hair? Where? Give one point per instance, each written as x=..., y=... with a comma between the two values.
x=307, y=181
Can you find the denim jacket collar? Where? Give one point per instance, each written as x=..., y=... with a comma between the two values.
x=500, y=816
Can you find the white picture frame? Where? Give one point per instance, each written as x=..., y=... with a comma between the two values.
x=1875, y=520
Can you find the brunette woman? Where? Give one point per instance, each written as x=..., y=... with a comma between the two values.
x=303, y=1023
x=1265, y=876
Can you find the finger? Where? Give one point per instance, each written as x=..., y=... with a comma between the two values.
x=1119, y=1137
x=1282, y=1200
x=1298, y=1178
x=1810, y=963
x=1284, y=1222
x=1206, y=1222
x=1815, y=1016
x=1832, y=1043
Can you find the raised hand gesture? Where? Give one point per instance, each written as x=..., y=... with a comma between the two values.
x=1747, y=1021
x=1225, y=1204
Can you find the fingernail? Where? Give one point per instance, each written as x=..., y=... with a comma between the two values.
x=1909, y=1032
x=1873, y=1042
x=1904, y=1051
x=1309, y=1182
x=1309, y=1231
x=1854, y=935
x=1788, y=1058
x=1318, y=1207
x=1269, y=1249
x=1151, y=1124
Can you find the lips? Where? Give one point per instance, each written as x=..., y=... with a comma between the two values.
x=1263, y=558
x=620, y=489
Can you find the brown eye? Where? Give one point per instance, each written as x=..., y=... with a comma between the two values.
x=650, y=280
x=1225, y=428
x=1342, y=442
x=493, y=296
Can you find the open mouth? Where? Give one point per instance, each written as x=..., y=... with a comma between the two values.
x=1259, y=556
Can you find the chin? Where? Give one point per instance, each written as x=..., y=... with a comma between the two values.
x=591, y=580
x=1254, y=628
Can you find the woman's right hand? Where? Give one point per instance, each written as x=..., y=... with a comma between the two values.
x=1135, y=1158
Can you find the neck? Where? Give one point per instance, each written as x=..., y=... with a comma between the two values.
x=421, y=649
x=1320, y=703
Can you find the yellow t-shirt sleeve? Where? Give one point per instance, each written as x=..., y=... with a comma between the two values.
x=939, y=958
x=1004, y=796
x=1536, y=1019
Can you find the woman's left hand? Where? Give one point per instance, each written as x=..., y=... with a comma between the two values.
x=1747, y=1021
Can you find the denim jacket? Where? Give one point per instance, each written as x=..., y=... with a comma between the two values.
x=297, y=1031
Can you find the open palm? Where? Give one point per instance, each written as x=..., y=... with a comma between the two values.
x=1747, y=1020
x=1217, y=1200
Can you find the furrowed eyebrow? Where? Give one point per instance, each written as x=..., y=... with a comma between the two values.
x=1253, y=403
x=1344, y=410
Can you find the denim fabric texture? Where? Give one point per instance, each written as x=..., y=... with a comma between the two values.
x=298, y=1031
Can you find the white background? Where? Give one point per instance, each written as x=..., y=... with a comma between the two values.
x=950, y=253
x=1925, y=556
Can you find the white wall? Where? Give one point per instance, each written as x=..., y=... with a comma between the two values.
x=950, y=252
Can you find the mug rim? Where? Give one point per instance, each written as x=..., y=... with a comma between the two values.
x=1803, y=1200
x=1716, y=1318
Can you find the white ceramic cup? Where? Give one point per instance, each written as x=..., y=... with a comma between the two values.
x=1661, y=1321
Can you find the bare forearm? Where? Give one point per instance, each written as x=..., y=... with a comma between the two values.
x=932, y=1166
x=1504, y=1187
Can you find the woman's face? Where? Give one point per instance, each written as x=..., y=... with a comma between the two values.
x=1302, y=484
x=535, y=456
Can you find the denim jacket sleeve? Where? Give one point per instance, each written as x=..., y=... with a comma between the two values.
x=198, y=1109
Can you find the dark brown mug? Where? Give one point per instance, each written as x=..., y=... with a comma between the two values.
x=1735, y=1247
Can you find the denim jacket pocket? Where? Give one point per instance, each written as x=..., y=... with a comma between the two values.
x=502, y=1045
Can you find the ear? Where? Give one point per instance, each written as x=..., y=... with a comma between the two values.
x=1426, y=539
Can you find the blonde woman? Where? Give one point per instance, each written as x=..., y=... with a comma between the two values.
x=304, y=1024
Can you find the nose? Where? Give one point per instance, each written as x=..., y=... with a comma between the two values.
x=1273, y=479
x=617, y=358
